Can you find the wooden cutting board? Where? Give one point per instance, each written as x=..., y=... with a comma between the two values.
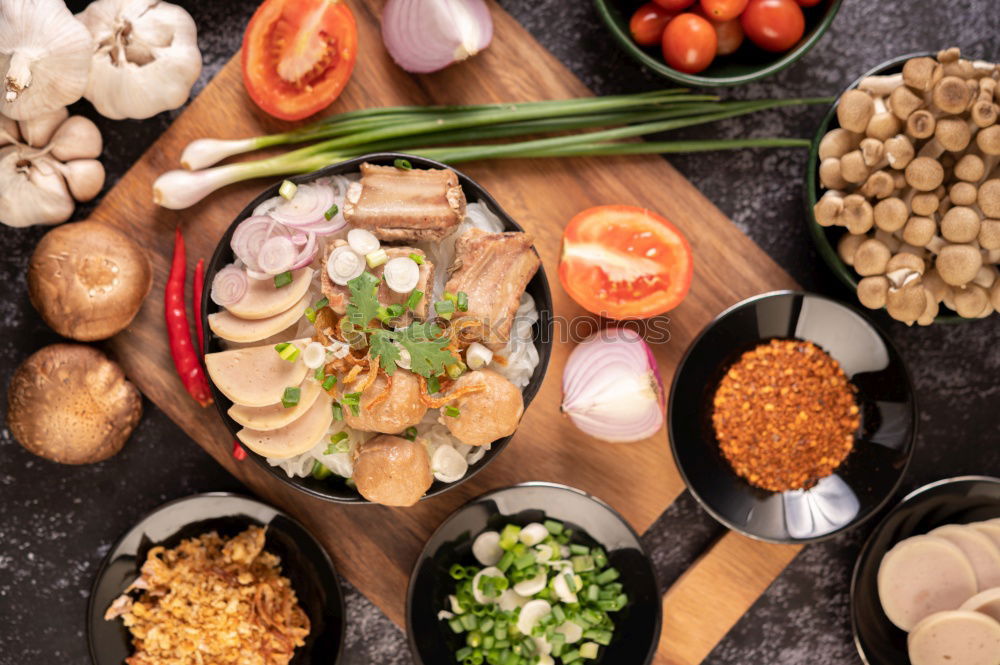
x=374, y=546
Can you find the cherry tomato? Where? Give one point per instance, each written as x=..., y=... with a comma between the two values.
x=648, y=22
x=625, y=262
x=723, y=10
x=689, y=43
x=808, y=3
x=675, y=5
x=729, y=34
x=773, y=25
x=298, y=55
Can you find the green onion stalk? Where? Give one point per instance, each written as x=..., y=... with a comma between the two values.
x=598, y=126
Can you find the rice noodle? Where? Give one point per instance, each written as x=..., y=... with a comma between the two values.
x=520, y=353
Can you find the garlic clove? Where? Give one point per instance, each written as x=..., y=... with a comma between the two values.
x=77, y=138
x=85, y=178
x=32, y=192
x=38, y=130
x=9, y=132
x=47, y=57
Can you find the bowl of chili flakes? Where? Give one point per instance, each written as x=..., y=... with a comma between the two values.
x=792, y=417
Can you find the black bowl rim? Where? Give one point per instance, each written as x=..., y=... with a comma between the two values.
x=411, y=640
x=106, y=561
x=787, y=59
x=865, y=551
x=914, y=418
x=810, y=193
x=545, y=310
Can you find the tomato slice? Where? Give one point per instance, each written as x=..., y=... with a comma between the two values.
x=625, y=262
x=298, y=55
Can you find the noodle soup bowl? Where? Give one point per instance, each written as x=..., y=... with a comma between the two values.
x=334, y=488
x=870, y=474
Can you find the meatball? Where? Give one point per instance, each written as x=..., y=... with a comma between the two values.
x=485, y=415
x=401, y=409
x=392, y=470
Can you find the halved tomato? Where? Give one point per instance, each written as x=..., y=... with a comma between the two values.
x=298, y=55
x=625, y=262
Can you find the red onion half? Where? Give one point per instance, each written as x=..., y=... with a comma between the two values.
x=612, y=388
x=427, y=35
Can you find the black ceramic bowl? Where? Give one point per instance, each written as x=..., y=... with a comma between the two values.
x=333, y=488
x=826, y=238
x=303, y=561
x=951, y=501
x=747, y=64
x=882, y=449
x=637, y=627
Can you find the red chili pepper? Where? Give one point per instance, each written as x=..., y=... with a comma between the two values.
x=238, y=451
x=186, y=361
x=199, y=288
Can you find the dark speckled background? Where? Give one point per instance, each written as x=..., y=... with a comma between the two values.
x=57, y=522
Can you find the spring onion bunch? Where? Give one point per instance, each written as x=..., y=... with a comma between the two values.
x=452, y=134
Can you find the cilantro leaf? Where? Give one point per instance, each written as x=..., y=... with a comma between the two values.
x=363, y=305
x=381, y=346
x=427, y=347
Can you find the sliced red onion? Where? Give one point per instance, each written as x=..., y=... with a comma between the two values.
x=229, y=286
x=427, y=35
x=307, y=253
x=612, y=388
x=309, y=206
x=250, y=236
x=277, y=255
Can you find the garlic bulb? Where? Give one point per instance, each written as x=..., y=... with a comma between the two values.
x=44, y=56
x=146, y=57
x=36, y=186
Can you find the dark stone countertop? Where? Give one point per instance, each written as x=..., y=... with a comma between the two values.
x=57, y=522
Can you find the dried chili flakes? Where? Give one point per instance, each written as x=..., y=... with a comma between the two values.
x=785, y=415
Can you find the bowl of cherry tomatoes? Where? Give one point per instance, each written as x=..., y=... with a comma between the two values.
x=710, y=43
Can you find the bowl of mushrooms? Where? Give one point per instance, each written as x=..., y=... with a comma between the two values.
x=903, y=188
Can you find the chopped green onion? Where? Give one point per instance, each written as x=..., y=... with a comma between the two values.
x=291, y=397
x=284, y=279
x=474, y=638
x=588, y=650
x=463, y=301
x=469, y=621
x=410, y=433
x=402, y=164
x=506, y=561
x=319, y=373
x=338, y=444
x=609, y=575
x=321, y=303
x=554, y=527
x=329, y=382
x=287, y=351
x=509, y=536
x=444, y=308
x=415, y=297
x=450, y=297
x=598, y=635
x=456, y=626
x=353, y=400
x=396, y=310
x=433, y=385
x=570, y=657
x=457, y=572
x=559, y=614
x=454, y=370
x=311, y=314
x=524, y=560
x=600, y=558
x=287, y=189
x=319, y=472
x=416, y=258
x=578, y=549
x=338, y=411
x=376, y=258
x=452, y=411
x=582, y=563
x=332, y=212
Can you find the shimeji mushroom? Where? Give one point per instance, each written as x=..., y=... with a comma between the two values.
x=911, y=174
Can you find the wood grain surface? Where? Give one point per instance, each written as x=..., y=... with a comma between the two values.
x=374, y=546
